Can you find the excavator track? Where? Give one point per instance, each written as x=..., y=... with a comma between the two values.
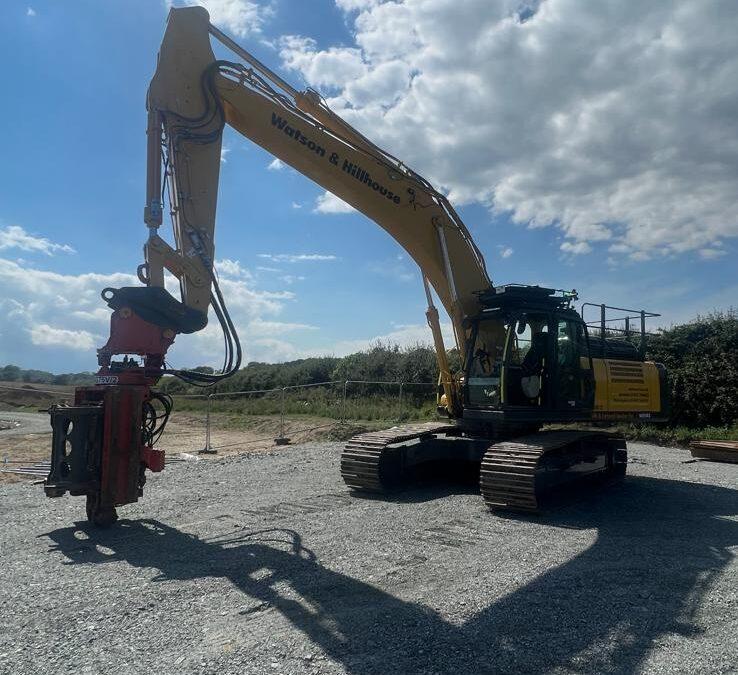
x=368, y=463
x=517, y=474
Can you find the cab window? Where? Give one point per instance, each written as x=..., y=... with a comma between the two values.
x=483, y=384
x=572, y=356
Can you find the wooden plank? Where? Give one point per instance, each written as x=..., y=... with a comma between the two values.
x=715, y=451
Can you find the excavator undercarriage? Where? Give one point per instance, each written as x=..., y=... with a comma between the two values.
x=522, y=473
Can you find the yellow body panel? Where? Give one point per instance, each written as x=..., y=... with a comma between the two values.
x=629, y=387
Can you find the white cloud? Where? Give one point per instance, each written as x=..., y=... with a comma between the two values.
x=259, y=327
x=329, y=203
x=224, y=150
x=44, y=335
x=297, y=257
x=14, y=236
x=576, y=248
x=100, y=315
x=296, y=205
x=612, y=125
x=711, y=253
x=405, y=335
x=30, y=11
x=232, y=268
x=55, y=321
x=276, y=165
x=352, y=5
x=241, y=17
x=329, y=68
x=290, y=279
x=505, y=251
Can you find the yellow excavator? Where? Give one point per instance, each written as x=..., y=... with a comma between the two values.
x=527, y=358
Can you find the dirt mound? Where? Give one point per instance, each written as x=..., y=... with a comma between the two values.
x=22, y=395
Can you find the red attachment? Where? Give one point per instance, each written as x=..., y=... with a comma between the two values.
x=121, y=457
x=130, y=334
x=121, y=453
x=122, y=388
x=153, y=458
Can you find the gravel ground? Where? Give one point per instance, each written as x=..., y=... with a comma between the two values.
x=24, y=423
x=263, y=563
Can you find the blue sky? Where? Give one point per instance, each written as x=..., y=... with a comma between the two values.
x=631, y=215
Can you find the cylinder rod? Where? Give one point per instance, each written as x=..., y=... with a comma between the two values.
x=237, y=49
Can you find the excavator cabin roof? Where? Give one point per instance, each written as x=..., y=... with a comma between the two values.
x=524, y=297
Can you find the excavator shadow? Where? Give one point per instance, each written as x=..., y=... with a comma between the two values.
x=660, y=546
x=431, y=481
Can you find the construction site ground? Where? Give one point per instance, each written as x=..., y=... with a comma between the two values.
x=25, y=437
x=264, y=563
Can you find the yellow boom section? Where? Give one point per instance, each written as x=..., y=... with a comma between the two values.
x=302, y=132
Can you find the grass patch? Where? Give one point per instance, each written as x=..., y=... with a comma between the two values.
x=676, y=436
x=660, y=435
x=314, y=404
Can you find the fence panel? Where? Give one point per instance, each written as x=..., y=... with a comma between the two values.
x=418, y=401
x=241, y=419
x=207, y=423
x=188, y=424
x=371, y=400
x=308, y=407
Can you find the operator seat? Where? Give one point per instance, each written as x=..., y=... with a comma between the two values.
x=533, y=365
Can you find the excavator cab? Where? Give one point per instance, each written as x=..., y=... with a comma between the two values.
x=528, y=358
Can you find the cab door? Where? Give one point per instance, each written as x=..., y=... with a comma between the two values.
x=526, y=372
x=574, y=375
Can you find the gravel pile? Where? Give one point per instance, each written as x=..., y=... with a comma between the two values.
x=265, y=564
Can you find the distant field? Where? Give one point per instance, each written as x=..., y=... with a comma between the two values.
x=321, y=408
x=28, y=397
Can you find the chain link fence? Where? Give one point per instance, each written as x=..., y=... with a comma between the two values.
x=297, y=408
x=302, y=408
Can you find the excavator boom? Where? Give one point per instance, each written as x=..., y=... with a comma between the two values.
x=301, y=131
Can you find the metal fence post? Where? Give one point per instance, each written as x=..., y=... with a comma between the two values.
x=343, y=405
x=208, y=450
x=282, y=439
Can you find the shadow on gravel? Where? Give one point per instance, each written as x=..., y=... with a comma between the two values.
x=431, y=481
x=660, y=545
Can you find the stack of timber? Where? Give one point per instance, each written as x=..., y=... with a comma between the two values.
x=715, y=451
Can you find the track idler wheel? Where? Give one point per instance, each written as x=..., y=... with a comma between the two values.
x=99, y=514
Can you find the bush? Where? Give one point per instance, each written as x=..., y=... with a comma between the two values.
x=389, y=363
x=15, y=374
x=702, y=361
